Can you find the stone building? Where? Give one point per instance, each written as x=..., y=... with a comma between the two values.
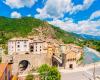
x=73, y=54
x=26, y=45
x=18, y=45
x=28, y=53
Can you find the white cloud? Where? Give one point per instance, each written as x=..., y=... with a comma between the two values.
x=54, y=9
x=57, y=8
x=82, y=27
x=20, y=3
x=29, y=15
x=15, y=15
x=86, y=5
x=96, y=14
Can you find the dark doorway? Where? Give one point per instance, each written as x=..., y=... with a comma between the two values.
x=31, y=48
x=23, y=65
x=71, y=66
x=54, y=63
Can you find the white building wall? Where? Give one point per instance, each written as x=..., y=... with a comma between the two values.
x=38, y=48
x=19, y=46
x=22, y=46
x=11, y=47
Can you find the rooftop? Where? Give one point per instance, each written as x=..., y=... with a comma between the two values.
x=71, y=55
x=73, y=45
x=20, y=38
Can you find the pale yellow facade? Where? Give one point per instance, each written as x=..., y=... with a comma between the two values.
x=73, y=54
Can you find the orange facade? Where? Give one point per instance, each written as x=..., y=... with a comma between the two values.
x=5, y=71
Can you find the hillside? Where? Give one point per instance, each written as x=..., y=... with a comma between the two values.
x=27, y=26
x=22, y=27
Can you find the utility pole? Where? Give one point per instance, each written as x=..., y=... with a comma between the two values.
x=87, y=77
x=94, y=72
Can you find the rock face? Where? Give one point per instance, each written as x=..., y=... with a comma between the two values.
x=34, y=60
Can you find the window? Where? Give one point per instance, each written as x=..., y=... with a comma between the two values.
x=71, y=66
x=31, y=48
x=18, y=45
x=18, y=49
x=25, y=42
x=36, y=50
x=68, y=60
x=25, y=45
x=18, y=42
x=36, y=47
x=40, y=49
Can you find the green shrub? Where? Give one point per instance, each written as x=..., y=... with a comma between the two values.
x=49, y=73
x=29, y=77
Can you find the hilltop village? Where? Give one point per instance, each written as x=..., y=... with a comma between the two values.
x=28, y=53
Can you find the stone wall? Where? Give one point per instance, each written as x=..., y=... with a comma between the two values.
x=35, y=61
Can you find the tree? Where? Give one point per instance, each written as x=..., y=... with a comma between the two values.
x=54, y=74
x=29, y=77
x=43, y=70
x=49, y=73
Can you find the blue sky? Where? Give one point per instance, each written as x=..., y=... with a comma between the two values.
x=79, y=16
